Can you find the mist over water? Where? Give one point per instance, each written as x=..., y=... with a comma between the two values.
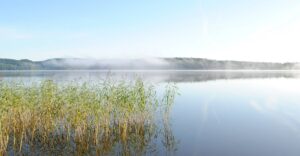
x=88, y=63
x=178, y=76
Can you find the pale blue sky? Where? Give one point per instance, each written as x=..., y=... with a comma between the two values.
x=255, y=30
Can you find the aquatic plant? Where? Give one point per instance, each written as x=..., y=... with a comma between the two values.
x=80, y=118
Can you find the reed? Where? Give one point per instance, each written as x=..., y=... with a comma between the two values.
x=80, y=118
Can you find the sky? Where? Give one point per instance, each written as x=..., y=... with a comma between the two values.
x=249, y=30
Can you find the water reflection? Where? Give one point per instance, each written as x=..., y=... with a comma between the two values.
x=140, y=140
x=238, y=117
x=218, y=112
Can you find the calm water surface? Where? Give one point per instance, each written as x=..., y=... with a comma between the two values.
x=218, y=113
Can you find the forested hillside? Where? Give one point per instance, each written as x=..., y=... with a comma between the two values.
x=153, y=64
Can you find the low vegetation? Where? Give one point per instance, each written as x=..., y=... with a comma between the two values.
x=82, y=118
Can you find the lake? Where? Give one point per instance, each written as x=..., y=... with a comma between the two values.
x=218, y=113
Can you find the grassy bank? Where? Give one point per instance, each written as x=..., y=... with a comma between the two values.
x=80, y=118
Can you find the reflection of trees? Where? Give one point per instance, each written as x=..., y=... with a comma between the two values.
x=160, y=76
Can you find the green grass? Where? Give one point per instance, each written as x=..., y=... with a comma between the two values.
x=80, y=118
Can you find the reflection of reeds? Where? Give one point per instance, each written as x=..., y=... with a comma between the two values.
x=79, y=118
x=169, y=141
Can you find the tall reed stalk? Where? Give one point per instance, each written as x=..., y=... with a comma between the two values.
x=79, y=118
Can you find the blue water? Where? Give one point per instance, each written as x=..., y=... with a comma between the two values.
x=238, y=117
x=218, y=113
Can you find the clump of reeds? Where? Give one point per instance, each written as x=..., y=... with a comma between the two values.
x=79, y=118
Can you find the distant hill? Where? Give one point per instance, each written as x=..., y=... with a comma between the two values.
x=148, y=64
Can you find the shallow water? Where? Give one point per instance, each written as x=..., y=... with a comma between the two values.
x=218, y=112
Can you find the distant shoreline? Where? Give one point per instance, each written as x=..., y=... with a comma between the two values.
x=142, y=64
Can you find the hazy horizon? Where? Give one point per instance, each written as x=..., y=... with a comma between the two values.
x=260, y=31
x=142, y=58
